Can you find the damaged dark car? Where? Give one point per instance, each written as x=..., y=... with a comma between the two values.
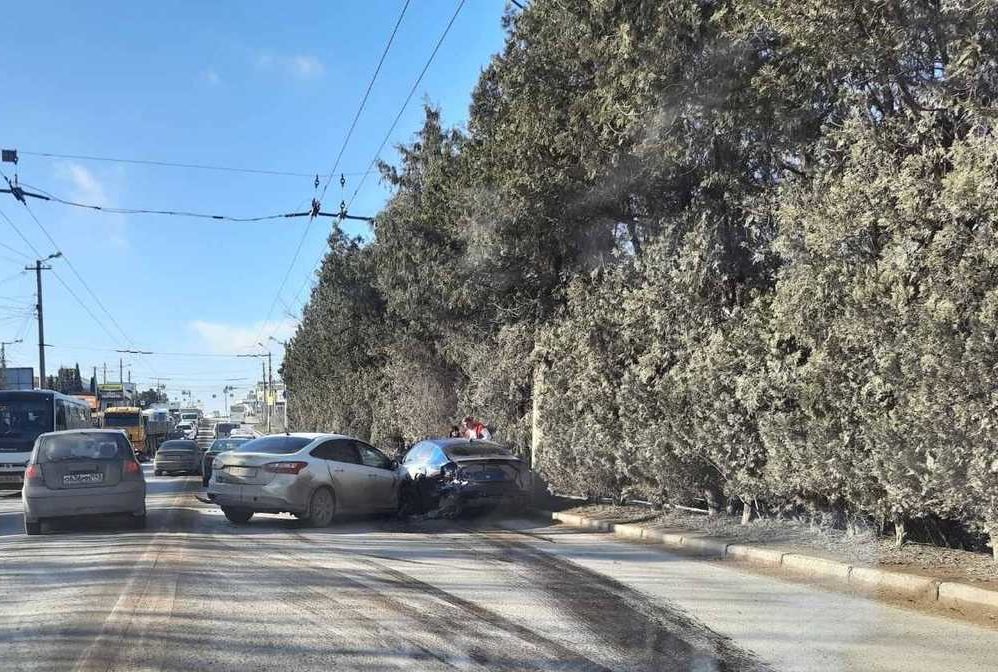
x=453, y=476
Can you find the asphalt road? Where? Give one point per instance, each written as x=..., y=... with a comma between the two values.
x=194, y=592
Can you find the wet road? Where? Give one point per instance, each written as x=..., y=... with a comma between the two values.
x=194, y=592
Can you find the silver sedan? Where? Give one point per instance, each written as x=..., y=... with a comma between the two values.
x=313, y=476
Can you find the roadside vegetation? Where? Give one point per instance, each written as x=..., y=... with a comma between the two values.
x=739, y=253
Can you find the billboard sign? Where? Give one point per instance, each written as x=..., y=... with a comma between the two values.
x=18, y=378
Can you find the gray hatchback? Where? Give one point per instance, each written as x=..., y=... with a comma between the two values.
x=82, y=472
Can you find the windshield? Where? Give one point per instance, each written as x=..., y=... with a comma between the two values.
x=83, y=446
x=278, y=445
x=119, y=420
x=25, y=419
x=222, y=445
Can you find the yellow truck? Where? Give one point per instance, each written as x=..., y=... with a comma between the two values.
x=130, y=419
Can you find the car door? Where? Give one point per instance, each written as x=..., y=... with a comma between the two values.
x=344, y=472
x=382, y=479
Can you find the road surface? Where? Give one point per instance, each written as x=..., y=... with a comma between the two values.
x=194, y=592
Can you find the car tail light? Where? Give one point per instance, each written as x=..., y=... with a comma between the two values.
x=132, y=467
x=285, y=467
x=33, y=473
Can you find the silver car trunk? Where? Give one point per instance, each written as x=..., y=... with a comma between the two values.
x=246, y=468
x=66, y=474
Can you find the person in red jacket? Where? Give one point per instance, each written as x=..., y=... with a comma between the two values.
x=475, y=429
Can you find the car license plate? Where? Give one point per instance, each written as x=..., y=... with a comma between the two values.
x=85, y=477
x=10, y=478
x=241, y=471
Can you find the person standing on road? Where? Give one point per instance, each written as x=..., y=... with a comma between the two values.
x=475, y=429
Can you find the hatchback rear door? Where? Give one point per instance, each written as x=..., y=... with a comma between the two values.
x=86, y=460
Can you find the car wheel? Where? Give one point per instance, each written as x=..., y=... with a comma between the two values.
x=158, y=472
x=33, y=528
x=139, y=522
x=237, y=516
x=321, y=508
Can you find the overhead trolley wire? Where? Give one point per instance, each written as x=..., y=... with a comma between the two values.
x=172, y=164
x=336, y=163
x=391, y=129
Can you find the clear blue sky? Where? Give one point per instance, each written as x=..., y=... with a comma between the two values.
x=258, y=85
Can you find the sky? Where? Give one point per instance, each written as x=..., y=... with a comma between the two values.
x=266, y=86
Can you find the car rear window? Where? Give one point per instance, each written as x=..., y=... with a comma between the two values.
x=276, y=445
x=83, y=447
x=475, y=449
x=189, y=446
x=222, y=445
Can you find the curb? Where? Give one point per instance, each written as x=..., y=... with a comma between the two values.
x=867, y=579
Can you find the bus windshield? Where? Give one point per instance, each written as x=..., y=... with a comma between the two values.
x=121, y=420
x=24, y=419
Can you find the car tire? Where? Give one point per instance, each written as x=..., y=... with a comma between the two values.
x=158, y=472
x=32, y=528
x=237, y=516
x=321, y=508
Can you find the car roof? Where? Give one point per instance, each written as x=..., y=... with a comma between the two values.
x=94, y=430
x=460, y=441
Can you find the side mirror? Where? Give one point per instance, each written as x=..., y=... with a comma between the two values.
x=394, y=464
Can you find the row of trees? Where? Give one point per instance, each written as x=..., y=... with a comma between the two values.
x=731, y=250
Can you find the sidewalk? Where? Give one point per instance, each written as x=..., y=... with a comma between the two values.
x=961, y=581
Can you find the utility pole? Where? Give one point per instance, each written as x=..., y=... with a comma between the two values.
x=105, y=373
x=121, y=372
x=270, y=386
x=38, y=268
x=266, y=397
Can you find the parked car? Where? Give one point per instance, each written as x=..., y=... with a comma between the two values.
x=462, y=474
x=82, y=472
x=244, y=432
x=218, y=446
x=179, y=456
x=313, y=476
x=223, y=429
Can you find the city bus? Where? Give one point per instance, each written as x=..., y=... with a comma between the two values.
x=24, y=414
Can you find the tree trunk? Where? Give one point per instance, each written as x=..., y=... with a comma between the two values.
x=713, y=498
x=899, y=530
x=992, y=529
x=747, y=510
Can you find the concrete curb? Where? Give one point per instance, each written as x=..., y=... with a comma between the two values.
x=867, y=579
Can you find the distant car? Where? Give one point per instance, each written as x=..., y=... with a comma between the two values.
x=82, y=472
x=244, y=432
x=187, y=430
x=218, y=446
x=223, y=429
x=179, y=456
x=464, y=474
x=312, y=476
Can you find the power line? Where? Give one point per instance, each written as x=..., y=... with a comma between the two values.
x=172, y=164
x=391, y=129
x=363, y=102
x=336, y=163
x=48, y=196
x=405, y=104
x=86, y=348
